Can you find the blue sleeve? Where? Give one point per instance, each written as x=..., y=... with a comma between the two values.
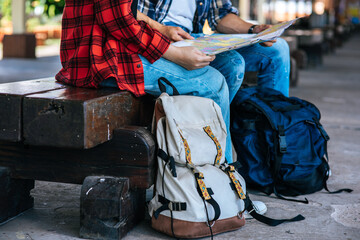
x=218, y=10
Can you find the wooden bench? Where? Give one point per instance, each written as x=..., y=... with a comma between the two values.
x=311, y=41
x=330, y=39
x=97, y=138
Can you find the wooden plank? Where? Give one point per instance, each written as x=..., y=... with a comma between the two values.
x=108, y=209
x=11, y=95
x=81, y=118
x=131, y=153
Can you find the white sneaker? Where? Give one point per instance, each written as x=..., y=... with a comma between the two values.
x=259, y=207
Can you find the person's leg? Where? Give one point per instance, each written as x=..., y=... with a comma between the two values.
x=271, y=63
x=232, y=66
x=205, y=82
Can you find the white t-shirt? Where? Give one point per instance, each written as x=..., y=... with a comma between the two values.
x=182, y=13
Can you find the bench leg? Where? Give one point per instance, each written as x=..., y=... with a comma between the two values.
x=14, y=195
x=294, y=73
x=314, y=54
x=301, y=58
x=108, y=209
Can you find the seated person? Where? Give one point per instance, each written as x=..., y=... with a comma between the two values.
x=272, y=63
x=103, y=44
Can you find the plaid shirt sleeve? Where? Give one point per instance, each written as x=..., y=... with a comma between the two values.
x=219, y=9
x=115, y=17
x=102, y=39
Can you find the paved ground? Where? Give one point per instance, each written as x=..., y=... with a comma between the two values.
x=47, y=64
x=334, y=88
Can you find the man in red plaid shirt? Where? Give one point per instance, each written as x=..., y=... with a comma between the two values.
x=108, y=43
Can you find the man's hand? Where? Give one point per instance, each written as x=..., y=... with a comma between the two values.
x=232, y=24
x=175, y=33
x=260, y=28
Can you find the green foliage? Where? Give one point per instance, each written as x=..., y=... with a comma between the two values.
x=39, y=12
x=31, y=23
x=51, y=8
x=5, y=9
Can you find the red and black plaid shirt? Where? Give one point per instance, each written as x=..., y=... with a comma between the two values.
x=102, y=39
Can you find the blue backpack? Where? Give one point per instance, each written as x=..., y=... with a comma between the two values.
x=280, y=143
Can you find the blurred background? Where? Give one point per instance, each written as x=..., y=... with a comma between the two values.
x=325, y=60
x=39, y=21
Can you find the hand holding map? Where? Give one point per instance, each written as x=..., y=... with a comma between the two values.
x=217, y=43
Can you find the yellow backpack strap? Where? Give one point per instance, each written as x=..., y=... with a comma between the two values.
x=219, y=154
x=199, y=176
x=202, y=187
x=206, y=196
x=228, y=168
x=187, y=149
x=230, y=172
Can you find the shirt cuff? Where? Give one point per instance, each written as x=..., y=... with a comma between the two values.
x=158, y=46
x=222, y=13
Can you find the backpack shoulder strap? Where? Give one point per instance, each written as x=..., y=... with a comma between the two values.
x=199, y=176
x=268, y=221
x=162, y=86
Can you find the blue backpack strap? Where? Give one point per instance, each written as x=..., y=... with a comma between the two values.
x=321, y=129
x=282, y=139
x=325, y=169
x=293, y=105
x=280, y=148
x=268, y=221
x=306, y=201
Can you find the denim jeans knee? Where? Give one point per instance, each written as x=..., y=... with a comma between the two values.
x=232, y=66
x=205, y=82
x=271, y=63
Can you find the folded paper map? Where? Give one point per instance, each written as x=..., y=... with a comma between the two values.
x=217, y=43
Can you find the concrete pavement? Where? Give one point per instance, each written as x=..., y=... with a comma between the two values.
x=46, y=64
x=334, y=88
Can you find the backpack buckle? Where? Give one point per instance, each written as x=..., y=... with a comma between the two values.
x=191, y=166
x=177, y=206
x=282, y=143
x=282, y=140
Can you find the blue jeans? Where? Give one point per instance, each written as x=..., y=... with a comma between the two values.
x=205, y=82
x=230, y=64
x=271, y=63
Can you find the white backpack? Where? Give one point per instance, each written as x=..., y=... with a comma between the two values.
x=196, y=193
